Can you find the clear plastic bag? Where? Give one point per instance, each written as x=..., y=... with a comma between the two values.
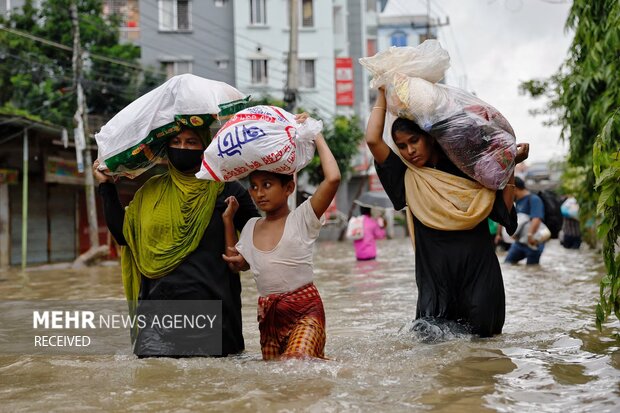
x=472, y=133
x=260, y=137
x=427, y=61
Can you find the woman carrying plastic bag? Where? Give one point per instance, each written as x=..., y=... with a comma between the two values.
x=458, y=275
x=472, y=133
x=171, y=233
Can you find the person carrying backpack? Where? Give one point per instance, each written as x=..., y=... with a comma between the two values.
x=532, y=205
x=366, y=245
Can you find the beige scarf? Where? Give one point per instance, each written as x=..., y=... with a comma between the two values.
x=443, y=201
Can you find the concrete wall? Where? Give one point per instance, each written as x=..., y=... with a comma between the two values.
x=271, y=42
x=209, y=40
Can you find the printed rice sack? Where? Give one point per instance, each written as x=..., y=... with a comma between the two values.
x=135, y=138
x=472, y=133
x=260, y=137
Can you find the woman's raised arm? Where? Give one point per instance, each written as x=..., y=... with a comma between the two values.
x=374, y=130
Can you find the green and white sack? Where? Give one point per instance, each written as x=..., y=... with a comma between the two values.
x=135, y=139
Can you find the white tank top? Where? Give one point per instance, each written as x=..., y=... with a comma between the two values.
x=288, y=266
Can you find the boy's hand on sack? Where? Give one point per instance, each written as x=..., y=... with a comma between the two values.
x=100, y=176
x=231, y=209
x=523, y=151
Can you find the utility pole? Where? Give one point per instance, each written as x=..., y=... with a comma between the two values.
x=429, y=25
x=80, y=135
x=290, y=93
x=428, y=18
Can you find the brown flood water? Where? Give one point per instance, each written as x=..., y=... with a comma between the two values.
x=549, y=359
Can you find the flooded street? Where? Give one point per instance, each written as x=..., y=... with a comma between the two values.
x=549, y=359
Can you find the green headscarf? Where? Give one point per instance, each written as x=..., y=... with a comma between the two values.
x=163, y=224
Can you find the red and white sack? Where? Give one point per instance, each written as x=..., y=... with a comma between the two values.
x=266, y=138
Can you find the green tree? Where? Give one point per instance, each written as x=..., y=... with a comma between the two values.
x=38, y=77
x=343, y=137
x=585, y=101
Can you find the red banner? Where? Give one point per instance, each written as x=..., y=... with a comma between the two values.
x=344, y=81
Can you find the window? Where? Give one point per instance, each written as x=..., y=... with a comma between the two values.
x=175, y=15
x=222, y=63
x=398, y=39
x=307, y=14
x=258, y=12
x=220, y=3
x=338, y=21
x=306, y=74
x=259, y=71
x=177, y=67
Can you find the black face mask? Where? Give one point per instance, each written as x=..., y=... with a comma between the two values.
x=185, y=160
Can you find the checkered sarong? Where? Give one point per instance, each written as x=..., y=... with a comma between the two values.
x=292, y=324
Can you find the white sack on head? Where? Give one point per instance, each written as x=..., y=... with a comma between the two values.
x=136, y=137
x=259, y=138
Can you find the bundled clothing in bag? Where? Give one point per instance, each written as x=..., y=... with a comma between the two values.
x=263, y=138
x=472, y=133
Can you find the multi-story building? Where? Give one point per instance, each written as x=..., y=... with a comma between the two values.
x=405, y=23
x=128, y=13
x=188, y=36
x=261, y=51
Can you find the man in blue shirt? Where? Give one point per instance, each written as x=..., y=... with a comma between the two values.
x=532, y=205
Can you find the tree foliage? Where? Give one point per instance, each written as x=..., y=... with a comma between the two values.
x=39, y=78
x=343, y=137
x=585, y=101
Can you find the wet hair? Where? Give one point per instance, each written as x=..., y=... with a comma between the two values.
x=519, y=183
x=283, y=178
x=407, y=126
x=365, y=210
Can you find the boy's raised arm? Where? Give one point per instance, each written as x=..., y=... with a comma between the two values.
x=331, y=178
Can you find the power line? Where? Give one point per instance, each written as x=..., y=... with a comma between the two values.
x=215, y=33
x=67, y=48
x=113, y=86
x=36, y=110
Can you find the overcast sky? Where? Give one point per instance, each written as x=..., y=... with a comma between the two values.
x=496, y=44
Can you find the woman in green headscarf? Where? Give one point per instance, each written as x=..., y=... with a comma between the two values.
x=172, y=239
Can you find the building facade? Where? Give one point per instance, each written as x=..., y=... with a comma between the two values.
x=188, y=36
x=39, y=180
x=261, y=51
